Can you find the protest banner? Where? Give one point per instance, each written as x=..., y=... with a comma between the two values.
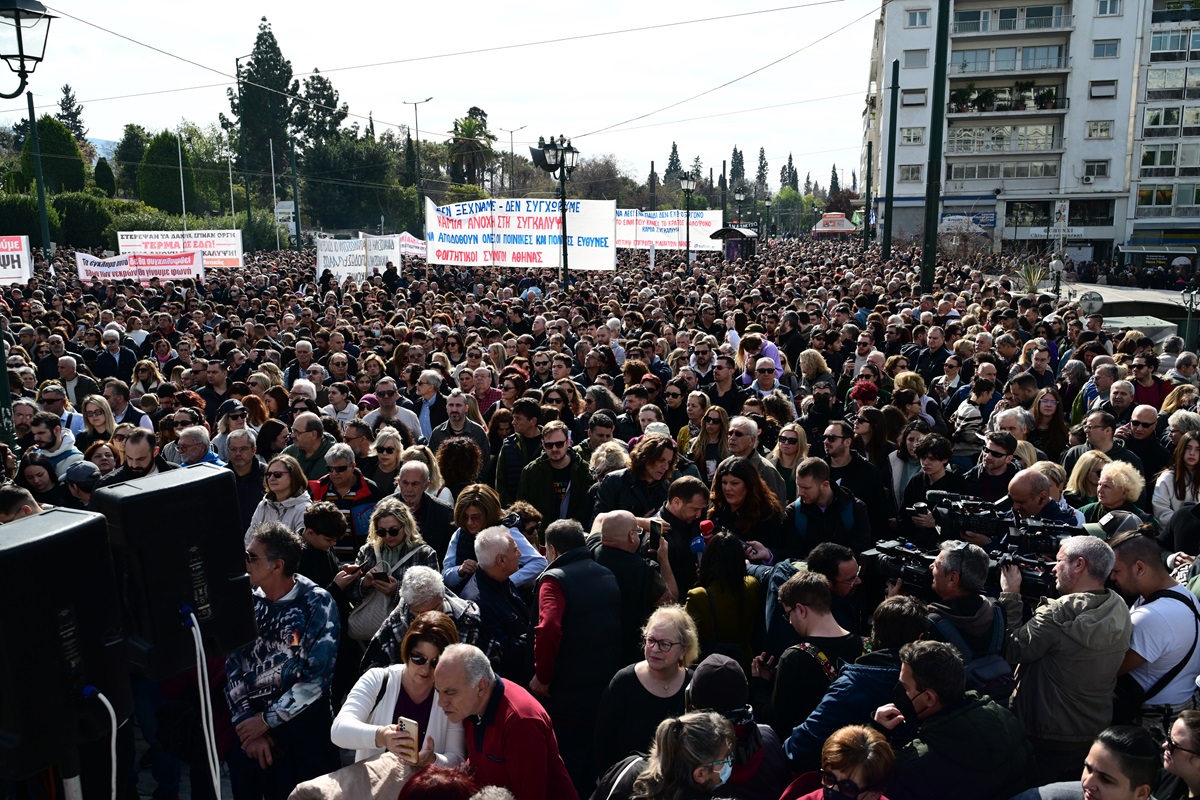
x=667, y=230
x=16, y=264
x=221, y=248
x=522, y=233
x=141, y=267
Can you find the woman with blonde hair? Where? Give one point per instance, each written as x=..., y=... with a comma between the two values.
x=98, y=422
x=258, y=383
x=711, y=446
x=146, y=378
x=791, y=447
x=813, y=369
x=696, y=405
x=690, y=757
x=642, y=695
x=1119, y=487
x=273, y=372
x=1081, y=485
x=388, y=447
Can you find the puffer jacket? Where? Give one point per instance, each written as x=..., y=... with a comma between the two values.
x=290, y=512
x=1067, y=658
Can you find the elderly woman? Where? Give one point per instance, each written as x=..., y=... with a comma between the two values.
x=1118, y=489
x=347, y=488
x=367, y=720
x=642, y=695
x=393, y=545
x=286, y=496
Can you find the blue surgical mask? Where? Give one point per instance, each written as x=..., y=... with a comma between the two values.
x=726, y=771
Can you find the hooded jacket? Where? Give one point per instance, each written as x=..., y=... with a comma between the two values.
x=1067, y=656
x=290, y=512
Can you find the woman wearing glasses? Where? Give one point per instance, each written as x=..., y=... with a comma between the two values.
x=856, y=762
x=1050, y=430
x=231, y=416
x=366, y=722
x=791, y=447
x=1181, y=751
x=711, y=446
x=642, y=695
x=98, y=422
x=286, y=495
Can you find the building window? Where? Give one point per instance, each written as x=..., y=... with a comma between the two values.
x=1169, y=46
x=1150, y=194
x=1099, y=129
x=971, y=60
x=991, y=170
x=912, y=136
x=1161, y=122
x=1105, y=48
x=917, y=19
x=912, y=97
x=1108, y=8
x=1101, y=89
x=910, y=172
x=916, y=59
x=1095, y=169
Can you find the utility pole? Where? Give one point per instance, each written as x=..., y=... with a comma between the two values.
x=867, y=205
x=41, y=190
x=417, y=144
x=889, y=176
x=724, y=194
x=245, y=161
x=937, y=135
x=295, y=196
x=512, y=156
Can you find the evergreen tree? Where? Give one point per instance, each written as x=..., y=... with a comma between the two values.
x=793, y=176
x=316, y=115
x=835, y=186
x=674, y=165
x=105, y=179
x=737, y=169
x=262, y=112
x=760, y=179
x=808, y=184
x=409, y=176
x=158, y=175
x=20, y=130
x=70, y=113
x=62, y=163
x=128, y=156
x=697, y=168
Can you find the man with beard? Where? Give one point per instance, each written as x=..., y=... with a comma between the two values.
x=824, y=409
x=141, y=459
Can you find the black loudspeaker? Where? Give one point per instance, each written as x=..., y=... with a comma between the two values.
x=60, y=631
x=178, y=544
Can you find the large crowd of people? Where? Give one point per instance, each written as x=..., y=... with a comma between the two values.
x=618, y=539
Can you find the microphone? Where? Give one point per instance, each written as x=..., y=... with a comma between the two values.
x=699, y=542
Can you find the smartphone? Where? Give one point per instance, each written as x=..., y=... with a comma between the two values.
x=655, y=535
x=379, y=575
x=406, y=724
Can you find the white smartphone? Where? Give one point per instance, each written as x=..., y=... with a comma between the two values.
x=406, y=724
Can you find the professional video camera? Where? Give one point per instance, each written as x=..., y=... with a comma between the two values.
x=1037, y=537
x=955, y=514
x=1037, y=580
x=899, y=559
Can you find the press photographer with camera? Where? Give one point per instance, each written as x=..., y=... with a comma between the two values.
x=917, y=521
x=988, y=480
x=1030, y=493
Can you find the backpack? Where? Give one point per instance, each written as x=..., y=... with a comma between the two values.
x=987, y=673
x=847, y=517
x=831, y=670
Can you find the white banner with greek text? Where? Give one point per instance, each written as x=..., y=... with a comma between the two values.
x=522, y=233
x=221, y=248
x=16, y=263
x=141, y=267
x=668, y=230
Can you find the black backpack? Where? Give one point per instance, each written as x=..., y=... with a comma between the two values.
x=988, y=672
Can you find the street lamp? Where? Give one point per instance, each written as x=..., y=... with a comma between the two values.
x=417, y=144
x=1191, y=301
x=739, y=196
x=558, y=156
x=688, y=184
x=1056, y=269
x=768, y=202
x=24, y=28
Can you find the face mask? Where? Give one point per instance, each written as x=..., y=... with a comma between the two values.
x=726, y=771
x=901, y=700
x=822, y=402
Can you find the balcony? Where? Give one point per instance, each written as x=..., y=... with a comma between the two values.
x=1008, y=66
x=1023, y=25
x=1005, y=106
x=1167, y=211
x=1000, y=148
x=1180, y=15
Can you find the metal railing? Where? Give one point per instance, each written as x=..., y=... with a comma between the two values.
x=1014, y=25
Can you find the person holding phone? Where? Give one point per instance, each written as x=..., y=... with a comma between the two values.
x=395, y=708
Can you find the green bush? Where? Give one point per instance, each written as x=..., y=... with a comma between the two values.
x=62, y=163
x=19, y=217
x=158, y=175
x=106, y=181
x=84, y=218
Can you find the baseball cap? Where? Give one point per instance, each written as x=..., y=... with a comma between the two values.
x=83, y=474
x=229, y=407
x=1112, y=524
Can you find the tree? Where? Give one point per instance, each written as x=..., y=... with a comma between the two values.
x=697, y=168
x=601, y=178
x=19, y=216
x=62, y=163
x=264, y=109
x=84, y=218
x=105, y=179
x=760, y=178
x=158, y=175
x=316, y=115
x=737, y=169
x=835, y=186
x=470, y=148
x=788, y=176
x=808, y=184
x=349, y=182
x=674, y=165
x=128, y=156
x=207, y=150
x=408, y=176
x=841, y=201
x=70, y=113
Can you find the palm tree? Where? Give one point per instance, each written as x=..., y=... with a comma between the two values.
x=470, y=150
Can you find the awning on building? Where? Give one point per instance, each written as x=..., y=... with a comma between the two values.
x=734, y=233
x=1158, y=248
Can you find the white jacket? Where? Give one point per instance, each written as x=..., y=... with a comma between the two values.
x=290, y=512
x=1164, y=502
x=353, y=730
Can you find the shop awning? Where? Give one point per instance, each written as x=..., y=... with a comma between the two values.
x=734, y=233
x=1158, y=248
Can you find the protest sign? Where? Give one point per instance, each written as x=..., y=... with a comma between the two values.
x=222, y=248
x=16, y=264
x=357, y=258
x=522, y=233
x=667, y=230
x=141, y=267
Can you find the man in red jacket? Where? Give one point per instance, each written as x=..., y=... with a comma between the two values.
x=510, y=740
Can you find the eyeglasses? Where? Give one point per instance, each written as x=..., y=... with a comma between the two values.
x=765, y=371
x=846, y=788
x=252, y=557
x=1138, y=424
x=995, y=454
x=737, y=434
x=389, y=531
x=712, y=420
x=788, y=440
x=340, y=468
x=554, y=445
x=661, y=645
x=387, y=451
x=275, y=474
x=386, y=393
x=672, y=395
x=829, y=437
x=421, y=660
x=238, y=415
x=96, y=412
x=120, y=437
x=1138, y=366
x=508, y=387
x=949, y=366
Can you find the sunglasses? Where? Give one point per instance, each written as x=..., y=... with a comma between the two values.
x=251, y=557
x=238, y=415
x=995, y=453
x=120, y=437
x=789, y=440
x=712, y=420
x=339, y=468
x=554, y=445
x=386, y=393
x=275, y=474
x=388, y=532
x=765, y=371
x=385, y=450
x=1135, y=423
x=421, y=660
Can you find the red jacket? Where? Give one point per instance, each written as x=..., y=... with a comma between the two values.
x=512, y=745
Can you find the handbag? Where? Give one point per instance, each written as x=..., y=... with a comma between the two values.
x=1129, y=696
x=368, y=617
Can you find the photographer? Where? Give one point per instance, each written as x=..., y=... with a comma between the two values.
x=989, y=479
x=934, y=452
x=1030, y=493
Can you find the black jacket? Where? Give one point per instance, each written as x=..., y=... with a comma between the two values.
x=805, y=526
x=640, y=586
x=435, y=521
x=121, y=474
x=250, y=493
x=504, y=615
x=621, y=490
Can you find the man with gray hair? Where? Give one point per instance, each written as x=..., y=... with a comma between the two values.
x=510, y=739
x=435, y=519
x=743, y=442
x=247, y=471
x=431, y=408
x=1067, y=656
x=424, y=590
x=195, y=447
x=962, y=615
x=309, y=444
x=1184, y=370
x=1119, y=402
x=503, y=612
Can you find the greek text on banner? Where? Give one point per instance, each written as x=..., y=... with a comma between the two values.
x=221, y=248
x=668, y=230
x=141, y=267
x=522, y=233
x=16, y=264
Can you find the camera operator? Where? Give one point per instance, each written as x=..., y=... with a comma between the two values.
x=823, y=513
x=959, y=572
x=934, y=451
x=989, y=479
x=1030, y=493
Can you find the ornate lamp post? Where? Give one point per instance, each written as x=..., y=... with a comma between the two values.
x=688, y=184
x=558, y=156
